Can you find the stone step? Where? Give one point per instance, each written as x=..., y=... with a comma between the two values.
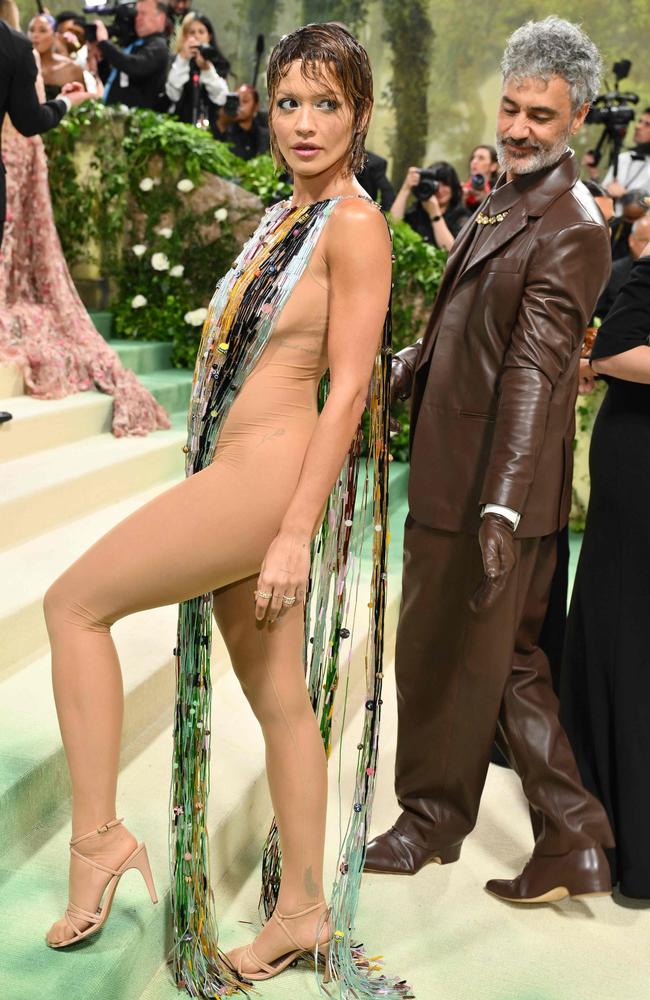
x=11, y=381
x=27, y=570
x=52, y=487
x=47, y=423
x=103, y=321
x=171, y=388
x=143, y=357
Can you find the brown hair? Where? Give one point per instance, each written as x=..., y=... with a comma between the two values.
x=9, y=14
x=326, y=47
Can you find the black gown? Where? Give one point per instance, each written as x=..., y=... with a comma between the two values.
x=605, y=682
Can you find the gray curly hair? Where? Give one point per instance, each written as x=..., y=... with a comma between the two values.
x=554, y=47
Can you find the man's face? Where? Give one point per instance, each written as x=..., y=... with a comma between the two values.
x=148, y=19
x=534, y=123
x=642, y=129
x=74, y=28
x=180, y=6
x=640, y=236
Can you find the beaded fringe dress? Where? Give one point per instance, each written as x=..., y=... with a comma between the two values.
x=241, y=318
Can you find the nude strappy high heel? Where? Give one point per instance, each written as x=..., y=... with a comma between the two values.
x=137, y=859
x=269, y=970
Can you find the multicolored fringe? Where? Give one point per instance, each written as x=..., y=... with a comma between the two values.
x=241, y=318
x=240, y=321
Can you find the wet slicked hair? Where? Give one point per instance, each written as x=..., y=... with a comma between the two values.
x=554, y=47
x=326, y=50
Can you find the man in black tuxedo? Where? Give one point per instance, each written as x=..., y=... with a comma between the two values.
x=18, y=99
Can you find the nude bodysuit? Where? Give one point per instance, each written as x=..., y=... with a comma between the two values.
x=211, y=533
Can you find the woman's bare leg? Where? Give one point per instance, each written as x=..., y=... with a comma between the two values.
x=186, y=542
x=268, y=661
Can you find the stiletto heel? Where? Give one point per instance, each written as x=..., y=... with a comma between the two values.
x=141, y=862
x=270, y=969
x=137, y=859
x=324, y=950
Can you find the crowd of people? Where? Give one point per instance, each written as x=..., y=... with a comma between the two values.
x=166, y=59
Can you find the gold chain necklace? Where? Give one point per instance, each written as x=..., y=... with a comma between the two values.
x=490, y=220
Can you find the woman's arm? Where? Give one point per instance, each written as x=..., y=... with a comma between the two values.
x=179, y=74
x=215, y=85
x=398, y=208
x=358, y=253
x=632, y=365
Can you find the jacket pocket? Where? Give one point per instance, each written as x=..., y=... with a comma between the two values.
x=475, y=416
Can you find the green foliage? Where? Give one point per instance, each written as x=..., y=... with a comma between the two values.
x=351, y=13
x=114, y=176
x=409, y=33
x=417, y=273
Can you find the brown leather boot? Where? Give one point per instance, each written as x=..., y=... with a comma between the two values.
x=548, y=878
x=393, y=854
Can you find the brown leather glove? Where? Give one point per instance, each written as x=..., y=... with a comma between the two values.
x=498, y=551
x=401, y=377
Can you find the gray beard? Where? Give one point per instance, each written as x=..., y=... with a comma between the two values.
x=538, y=161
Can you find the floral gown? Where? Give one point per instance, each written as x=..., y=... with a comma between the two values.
x=44, y=327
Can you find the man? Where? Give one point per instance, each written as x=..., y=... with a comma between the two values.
x=631, y=207
x=494, y=385
x=637, y=240
x=633, y=171
x=18, y=99
x=244, y=133
x=372, y=178
x=136, y=75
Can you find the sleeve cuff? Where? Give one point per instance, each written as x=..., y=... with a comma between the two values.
x=65, y=100
x=507, y=512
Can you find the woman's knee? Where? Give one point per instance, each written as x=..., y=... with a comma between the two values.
x=63, y=603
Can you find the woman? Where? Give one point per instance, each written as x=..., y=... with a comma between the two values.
x=197, y=108
x=56, y=68
x=605, y=683
x=441, y=217
x=483, y=172
x=44, y=327
x=309, y=291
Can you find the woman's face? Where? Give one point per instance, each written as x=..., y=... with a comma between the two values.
x=40, y=35
x=443, y=194
x=312, y=122
x=481, y=162
x=198, y=34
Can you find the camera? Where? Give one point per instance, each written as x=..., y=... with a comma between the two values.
x=426, y=186
x=122, y=29
x=614, y=112
x=231, y=107
x=477, y=182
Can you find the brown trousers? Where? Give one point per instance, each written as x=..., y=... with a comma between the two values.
x=464, y=679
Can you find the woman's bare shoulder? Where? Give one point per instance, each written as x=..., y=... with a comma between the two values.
x=357, y=224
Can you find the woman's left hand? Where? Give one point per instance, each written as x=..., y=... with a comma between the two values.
x=284, y=575
x=432, y=206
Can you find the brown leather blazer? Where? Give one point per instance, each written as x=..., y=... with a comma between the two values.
x=496, y=376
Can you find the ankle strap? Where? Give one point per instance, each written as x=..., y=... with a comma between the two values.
x=100, y=829
x=322, y=902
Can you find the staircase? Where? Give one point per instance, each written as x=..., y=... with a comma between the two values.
x=64, y=481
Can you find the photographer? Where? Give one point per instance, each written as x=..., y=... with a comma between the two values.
x=244, y=131
x=439, y=213
x=633, y=166
x=135, y=75
x=483, y=170
x=195, y=84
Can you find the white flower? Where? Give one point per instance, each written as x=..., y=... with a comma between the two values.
x=196, y=317
x=146, y=184
x=160, y=262
x=138, y=301
x=185, y=185
x=139, y=249
x=177, y=271
x=166, y=232
x=221, y=214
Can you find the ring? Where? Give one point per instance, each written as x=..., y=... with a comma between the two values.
x=288, y=601
x=264, y=596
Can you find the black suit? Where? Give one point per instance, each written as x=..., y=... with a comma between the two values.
x=18, y=97
x=139, y=80
x=372, y=178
